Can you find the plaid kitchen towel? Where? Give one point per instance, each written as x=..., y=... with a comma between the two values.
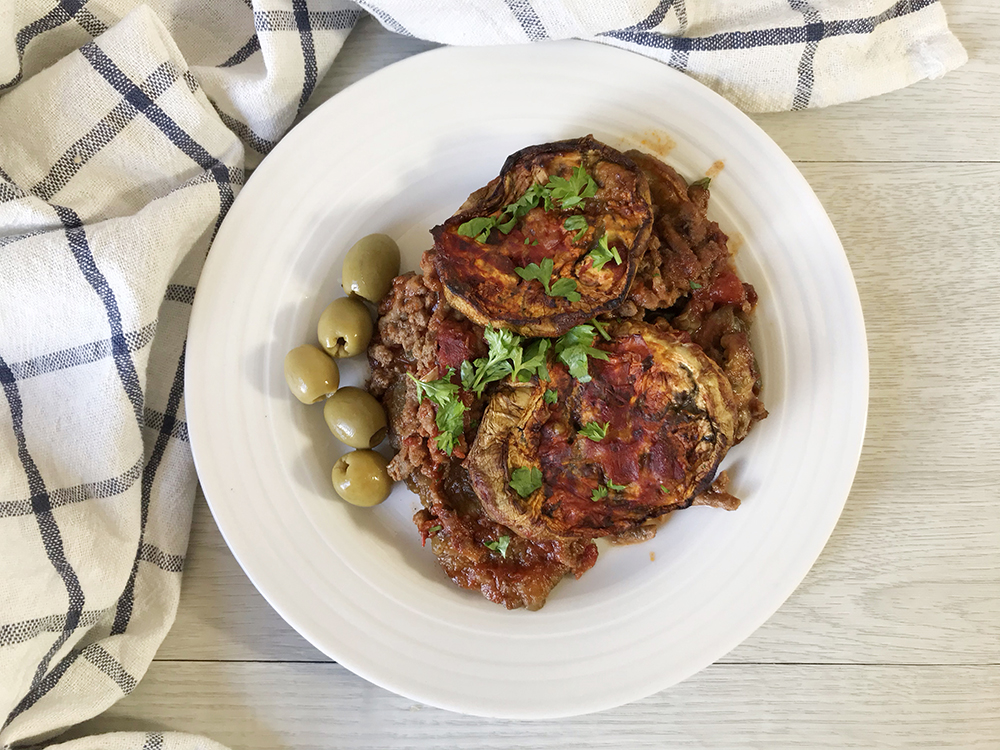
x=124, y=129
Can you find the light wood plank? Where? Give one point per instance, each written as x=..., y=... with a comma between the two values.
x=305, y=706
x=955, y=118
x=912, y=572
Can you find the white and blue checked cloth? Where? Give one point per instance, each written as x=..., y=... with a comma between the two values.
x=124, y=129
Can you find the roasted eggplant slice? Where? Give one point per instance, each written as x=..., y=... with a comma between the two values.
x=644, y=436
x=552, y=241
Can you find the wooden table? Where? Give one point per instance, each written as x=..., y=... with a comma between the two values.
x=893, y=639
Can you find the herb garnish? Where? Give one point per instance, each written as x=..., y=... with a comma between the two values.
x=572, y=191
x=433, y=529
x=600, y=329
x=602, y=490
x=525, y=480
x=480, y=227
x=551, y=396
x=577, y=221
x=695, y=285
x=595, y=431
x=573, y=348
x=543, y=273
x=500, y=545
x=506, y=357
x=450, y=409
x=602, y=254
x=569, y=192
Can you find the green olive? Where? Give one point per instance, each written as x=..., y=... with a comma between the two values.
x=370, y=266
x=345, y=327
x=362, y=478
x=355, y=417
x=311, y=375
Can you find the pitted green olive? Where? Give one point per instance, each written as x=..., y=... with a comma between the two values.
x=311, y=375
x=361, y=478
x=370, y=266
x=345, y=327
x=355, y=417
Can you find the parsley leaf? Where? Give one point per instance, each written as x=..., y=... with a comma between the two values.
x=602, y=254
x=500, y=545
x=602, y=490
x=695, y=285
x=542, y=273
x=704, y=182
x=571, y=192
x=494, y=366
x=573, y=348
x=439, y=391
x=530, y=361
x=577, y=221
x=551, y=396
x=450, y=425
x=449, y=420
x=478, y=227
x=525, y=480
x=565, y=288
x=595, y=431
x=433, y=529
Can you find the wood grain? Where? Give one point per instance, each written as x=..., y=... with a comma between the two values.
x=308, y=706
x=893, y=639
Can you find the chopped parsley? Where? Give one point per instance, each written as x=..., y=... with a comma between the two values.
x=576, y=222
x=695, y=285
x=600, y=329
x=530, y=360
x=704, y=182
x=524, y=480
x=449, y=420
x=602, y=254
x=595, y=431
x=480, y=227
x=574, y=347
x=551, y=396
x=500, y=545
x=433, y=529
x=664, y=490
x=568, y=192
x=506, y=357
x=571, y=192
x=543, y=273
x=601, y=491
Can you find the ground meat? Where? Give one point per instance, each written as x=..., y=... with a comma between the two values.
x=517, y=573
x=687, y=277
x=685, y=247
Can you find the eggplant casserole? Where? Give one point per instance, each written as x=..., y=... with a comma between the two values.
x=573, y=363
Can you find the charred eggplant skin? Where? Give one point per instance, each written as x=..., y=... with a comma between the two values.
x=480, y=278
x=669, y=416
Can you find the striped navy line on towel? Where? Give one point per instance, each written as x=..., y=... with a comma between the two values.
x=768, y=37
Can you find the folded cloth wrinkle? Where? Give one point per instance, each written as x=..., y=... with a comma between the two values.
x=125, y=129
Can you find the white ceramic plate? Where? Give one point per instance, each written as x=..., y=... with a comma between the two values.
x=397, y=153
